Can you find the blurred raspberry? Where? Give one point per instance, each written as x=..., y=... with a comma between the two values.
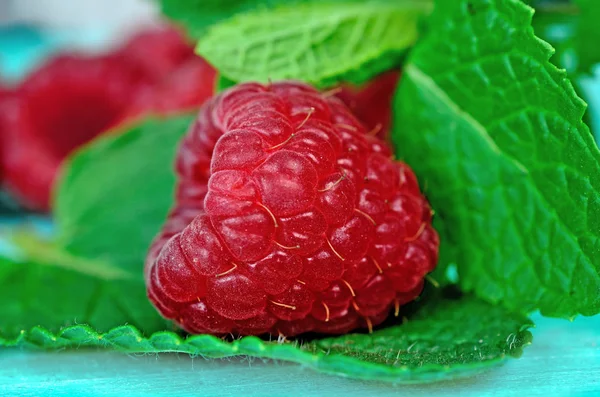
x=186, y=88
x=289, y=218
x=64, y=104
x=157, y=52
x=72, y=98
x=4, y=93
x=372, y=102
x=177, y=79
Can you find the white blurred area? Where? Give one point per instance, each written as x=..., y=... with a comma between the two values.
x=113, y=18
x=78, y=14
x=33, y=30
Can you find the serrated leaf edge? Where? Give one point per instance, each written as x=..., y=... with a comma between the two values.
x=129, y=339
x=351, y=10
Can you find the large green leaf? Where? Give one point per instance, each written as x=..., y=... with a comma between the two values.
x=316, y=42
x=115, y=193
x=495, y=131
x=441, y=337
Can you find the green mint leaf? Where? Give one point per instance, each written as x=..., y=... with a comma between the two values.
x=495, y=132
x=197, y=15
x=224, y=83
x=318, y=43
x=56, y=290
x=115, y=193
x=443, y=338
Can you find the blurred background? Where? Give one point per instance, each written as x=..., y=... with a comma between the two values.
x=31, y=30
x=73, y=70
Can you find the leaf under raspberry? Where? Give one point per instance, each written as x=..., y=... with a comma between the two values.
x=56, y=290
x=441, y=337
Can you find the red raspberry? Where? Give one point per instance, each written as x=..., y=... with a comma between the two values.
x=157, y=52
x=289, y=218
x=186, y=88
x=178, y=79
x=371, y=102
x=64, y=104
x=4, y=93
x=71, y=99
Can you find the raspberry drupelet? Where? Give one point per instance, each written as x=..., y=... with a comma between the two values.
x=289, y=218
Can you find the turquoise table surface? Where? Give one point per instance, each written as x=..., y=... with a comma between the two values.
x=564, y=359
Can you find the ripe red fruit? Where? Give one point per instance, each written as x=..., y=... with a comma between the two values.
x=62, y=105
x=3, y=94
x=371, y=102
x=186, y=88
x=289, y=218
x=157, y=52
x=178, y=79
x=72, y=99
